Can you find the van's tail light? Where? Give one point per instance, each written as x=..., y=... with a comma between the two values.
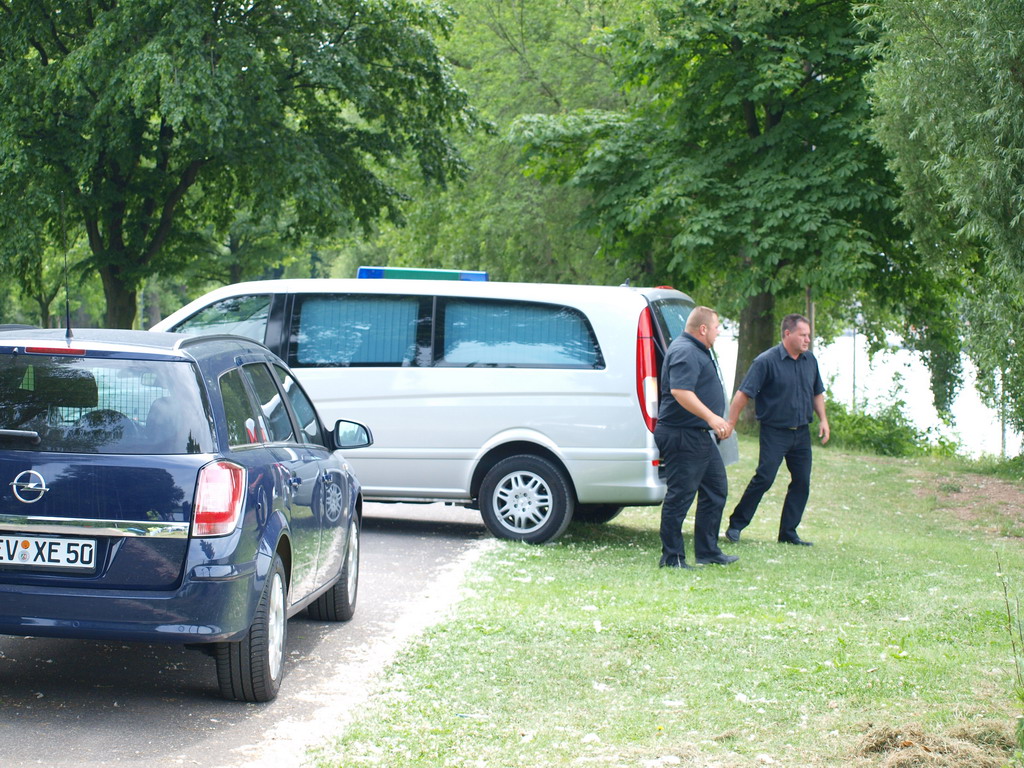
x=646, y=369
x=220, y=494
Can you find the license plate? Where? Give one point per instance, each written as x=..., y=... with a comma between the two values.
x=45, y=552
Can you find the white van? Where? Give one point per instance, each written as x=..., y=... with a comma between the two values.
x=531, y=402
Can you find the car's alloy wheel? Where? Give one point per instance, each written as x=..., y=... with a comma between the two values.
x=251, y=669
x=339, y=602
x=526, y=498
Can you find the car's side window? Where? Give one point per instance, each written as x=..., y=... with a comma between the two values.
x=354, y=330
x=270, y=403
x=485, y=332
x=309, y=424
x=243, y=315
x=243, y=424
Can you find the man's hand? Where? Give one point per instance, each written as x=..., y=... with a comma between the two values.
x=721, y=427
x=823, y=431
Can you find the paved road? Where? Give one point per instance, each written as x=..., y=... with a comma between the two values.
x=71, y=703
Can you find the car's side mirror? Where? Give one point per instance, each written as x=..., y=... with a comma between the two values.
x=350, y=434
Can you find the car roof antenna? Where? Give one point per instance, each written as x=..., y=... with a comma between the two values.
x=67, y=291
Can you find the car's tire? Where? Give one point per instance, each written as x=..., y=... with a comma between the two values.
x=339, y=602
x=251, y=669
x=596, y=514
x=526, y=498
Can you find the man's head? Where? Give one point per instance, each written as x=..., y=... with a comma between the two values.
x=702, y=324
x=796, y=334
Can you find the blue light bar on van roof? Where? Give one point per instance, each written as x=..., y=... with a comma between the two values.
x=413, y=273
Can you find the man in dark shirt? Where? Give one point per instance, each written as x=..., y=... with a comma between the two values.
x=690, y=423
x=787, y=388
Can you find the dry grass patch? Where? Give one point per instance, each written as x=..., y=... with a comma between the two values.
x=984, y=745
x=989, y=504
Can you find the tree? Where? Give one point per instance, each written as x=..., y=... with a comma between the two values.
x=156, y=118
x=515, y=56
x=744, y=166
x=948, y=93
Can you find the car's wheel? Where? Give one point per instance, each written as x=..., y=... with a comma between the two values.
x=339, y=602
x=526, y=498
x=251, y=668
x=595, y=514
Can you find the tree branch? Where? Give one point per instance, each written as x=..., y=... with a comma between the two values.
x=188, y=178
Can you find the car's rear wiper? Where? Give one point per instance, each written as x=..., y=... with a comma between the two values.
x=24, y=434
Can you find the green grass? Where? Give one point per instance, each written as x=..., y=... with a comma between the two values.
x=583, y=652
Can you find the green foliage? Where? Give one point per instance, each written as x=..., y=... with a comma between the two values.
x=743, y=165
x=160, y=118
x=948, y=96
x=885, y=430
x=514, y=56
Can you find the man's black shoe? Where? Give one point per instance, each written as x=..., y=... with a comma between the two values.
x=797, y=541
x=719, y=559
x=676, y=562
x=732, y=534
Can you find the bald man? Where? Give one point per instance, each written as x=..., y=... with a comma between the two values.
x=690, y=424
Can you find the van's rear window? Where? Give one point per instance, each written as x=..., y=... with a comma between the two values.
x=671, y=315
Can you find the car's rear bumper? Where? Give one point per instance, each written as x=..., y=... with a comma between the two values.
x=214, y=603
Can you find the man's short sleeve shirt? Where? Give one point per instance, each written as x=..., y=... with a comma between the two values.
x=689, y=365
x=783, y=388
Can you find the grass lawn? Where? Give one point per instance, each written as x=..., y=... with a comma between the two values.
x=885, y=644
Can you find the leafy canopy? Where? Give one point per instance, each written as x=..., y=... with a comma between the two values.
x=157, y=118
x=949, y=94
x=744, y=165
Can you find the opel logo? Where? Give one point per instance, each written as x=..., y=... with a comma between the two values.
x=29, y=487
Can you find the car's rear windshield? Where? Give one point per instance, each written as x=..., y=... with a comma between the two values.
x=101, y=405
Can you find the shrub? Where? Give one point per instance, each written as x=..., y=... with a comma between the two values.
x=887, y=431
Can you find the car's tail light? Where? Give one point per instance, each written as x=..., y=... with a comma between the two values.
x=646, y=370
x=220, y=494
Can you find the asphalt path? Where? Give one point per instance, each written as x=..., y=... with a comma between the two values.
x=74, y=703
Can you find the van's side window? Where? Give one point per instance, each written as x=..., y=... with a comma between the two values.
x=515, y=333
x=353, y=330
x=244, y=315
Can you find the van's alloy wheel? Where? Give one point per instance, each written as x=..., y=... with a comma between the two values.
x=527, y=498
x=250, y=669
x=339, y=602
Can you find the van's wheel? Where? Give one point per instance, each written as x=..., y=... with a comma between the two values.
x=339, y=602
x=250, y=669
x=526, y=498
x=595, y=514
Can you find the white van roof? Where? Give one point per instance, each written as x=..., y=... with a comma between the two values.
x=560, y=293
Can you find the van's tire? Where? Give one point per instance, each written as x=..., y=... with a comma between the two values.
x=339, y=602
x=526, y=498
x=251, y=669
x=596, y=514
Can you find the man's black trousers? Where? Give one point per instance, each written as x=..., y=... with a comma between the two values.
x=691, y=465
x=793, y=445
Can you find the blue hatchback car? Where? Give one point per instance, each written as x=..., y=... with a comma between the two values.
x=171, y=489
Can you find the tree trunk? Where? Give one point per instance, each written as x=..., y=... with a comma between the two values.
x=757, y=333
x=121, y=298
x=44, y=311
